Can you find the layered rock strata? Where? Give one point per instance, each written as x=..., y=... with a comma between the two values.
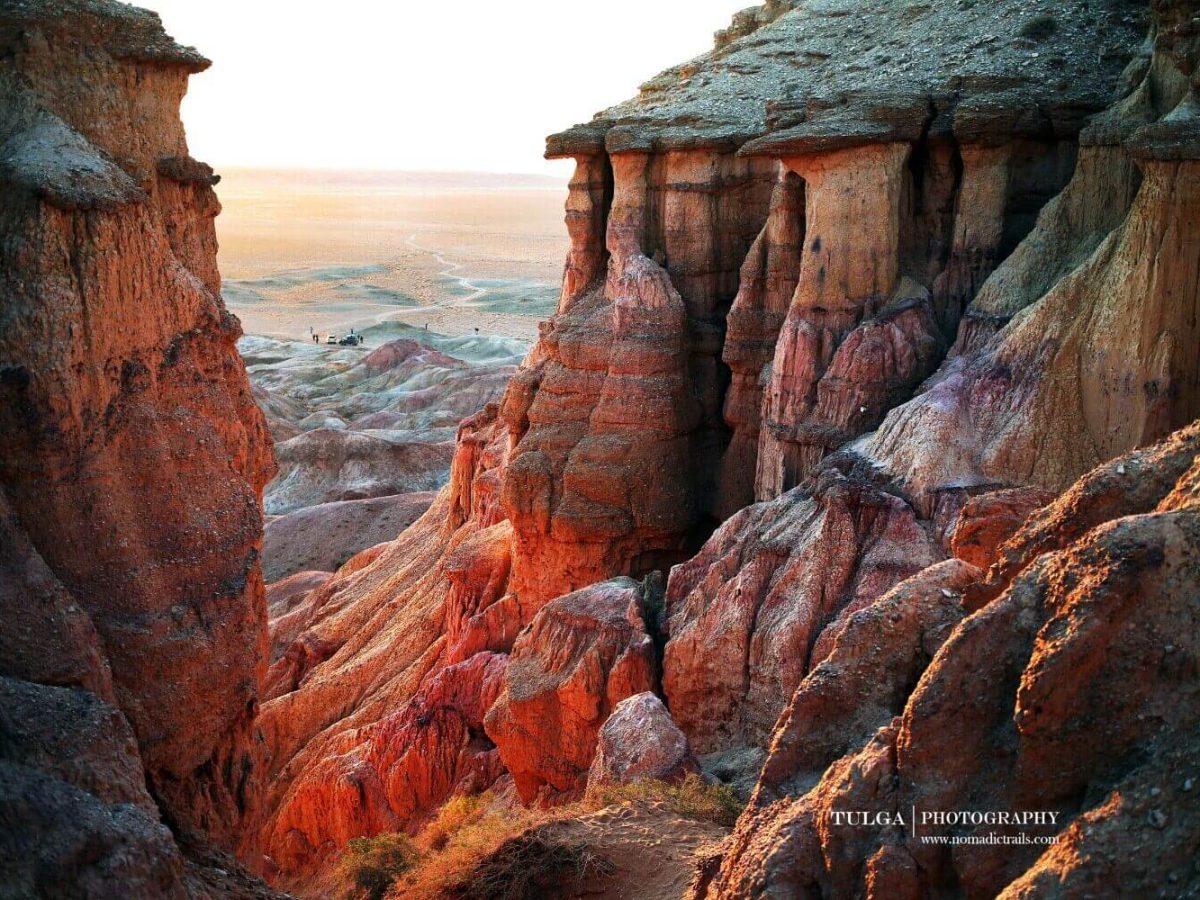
x=132, y=464
x=1071, y=719
x=772, y=248
x=1070, y=354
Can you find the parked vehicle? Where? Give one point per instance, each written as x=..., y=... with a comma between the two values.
x=332, y=339
x=351, y=340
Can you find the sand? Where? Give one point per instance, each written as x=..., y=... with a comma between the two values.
x=653, y=852
x=335, y=251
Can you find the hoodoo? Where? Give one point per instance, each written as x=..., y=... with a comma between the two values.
x=858, y=464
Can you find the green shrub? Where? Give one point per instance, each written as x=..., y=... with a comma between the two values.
x=372, y=865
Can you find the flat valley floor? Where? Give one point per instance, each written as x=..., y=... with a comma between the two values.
x=459, y=254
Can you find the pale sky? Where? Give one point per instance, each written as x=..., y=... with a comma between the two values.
x=468, y=85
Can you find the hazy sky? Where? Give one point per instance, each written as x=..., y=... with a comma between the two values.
x=470, y=85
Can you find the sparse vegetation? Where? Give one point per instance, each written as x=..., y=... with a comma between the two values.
x=1039, y=27
x=693, y=798
x=530, y=866
x=466, y=831
x=481, y=848
x=371, y=865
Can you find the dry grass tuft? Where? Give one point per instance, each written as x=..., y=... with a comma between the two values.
x=693, y=798
x=529, y=866
x=481, y=848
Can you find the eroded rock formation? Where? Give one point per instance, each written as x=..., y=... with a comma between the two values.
x=1051, y=693
x=132, y=463
x=1062, y=684
x=582, y=655
x=772, y=249
x=863, y=263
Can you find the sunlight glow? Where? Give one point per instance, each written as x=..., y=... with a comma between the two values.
x=467, y=86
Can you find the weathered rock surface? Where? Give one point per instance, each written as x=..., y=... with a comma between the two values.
x=385, y=775
x=987, y=521
x=580, y=657
x=132, y=463
x=353, y=424
x=385, y=671
x=904, y=177
x=1076, y=685
x=640, y=741
x=1039, y=390
x=1071, y=684
x=771, y=250
x=729, y=322
x=747, y=616
x=325, y=536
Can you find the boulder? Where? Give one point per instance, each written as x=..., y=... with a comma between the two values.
x=639, y=742
x=581, y=656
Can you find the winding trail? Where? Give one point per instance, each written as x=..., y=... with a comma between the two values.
x=474, y=291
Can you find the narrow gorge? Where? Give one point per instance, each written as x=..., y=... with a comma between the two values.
x=857, y=470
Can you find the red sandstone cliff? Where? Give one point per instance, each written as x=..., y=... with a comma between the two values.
x=772, y=248
x=870, y=265
x=132, y=463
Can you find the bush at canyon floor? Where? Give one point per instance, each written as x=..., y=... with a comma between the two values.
x=859, y=466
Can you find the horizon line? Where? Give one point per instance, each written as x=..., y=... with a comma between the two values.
x=367, y=170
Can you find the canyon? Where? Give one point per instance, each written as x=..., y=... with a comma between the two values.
x=857, y=469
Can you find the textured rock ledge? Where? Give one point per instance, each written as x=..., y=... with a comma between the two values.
x=132, y=462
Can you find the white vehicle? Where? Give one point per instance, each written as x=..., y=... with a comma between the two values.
x=332, y=339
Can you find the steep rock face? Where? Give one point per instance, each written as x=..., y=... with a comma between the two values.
x=615, y=418
x=865, y=678
x=582, y=655
x=709, y=328
x=1070, y=686
x=132, y=458
x=768, y=280
x=1077, y=685
x=1038, y=391
x=746, y=615
x=376, y=694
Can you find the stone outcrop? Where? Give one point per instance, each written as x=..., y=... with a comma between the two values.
x=383, y=776
x=772, y=249
x=987, y=521
x=640, y=741
x=1038, y=391
x=581, y=656
x=1053, y=692
x=746, y=616
x=402, y=647
x=615, y=417
x=1081, y=699
x=914, y=151
x=132, y=464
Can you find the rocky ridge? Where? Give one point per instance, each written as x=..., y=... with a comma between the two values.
x=132, y=464
x=834, y=329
